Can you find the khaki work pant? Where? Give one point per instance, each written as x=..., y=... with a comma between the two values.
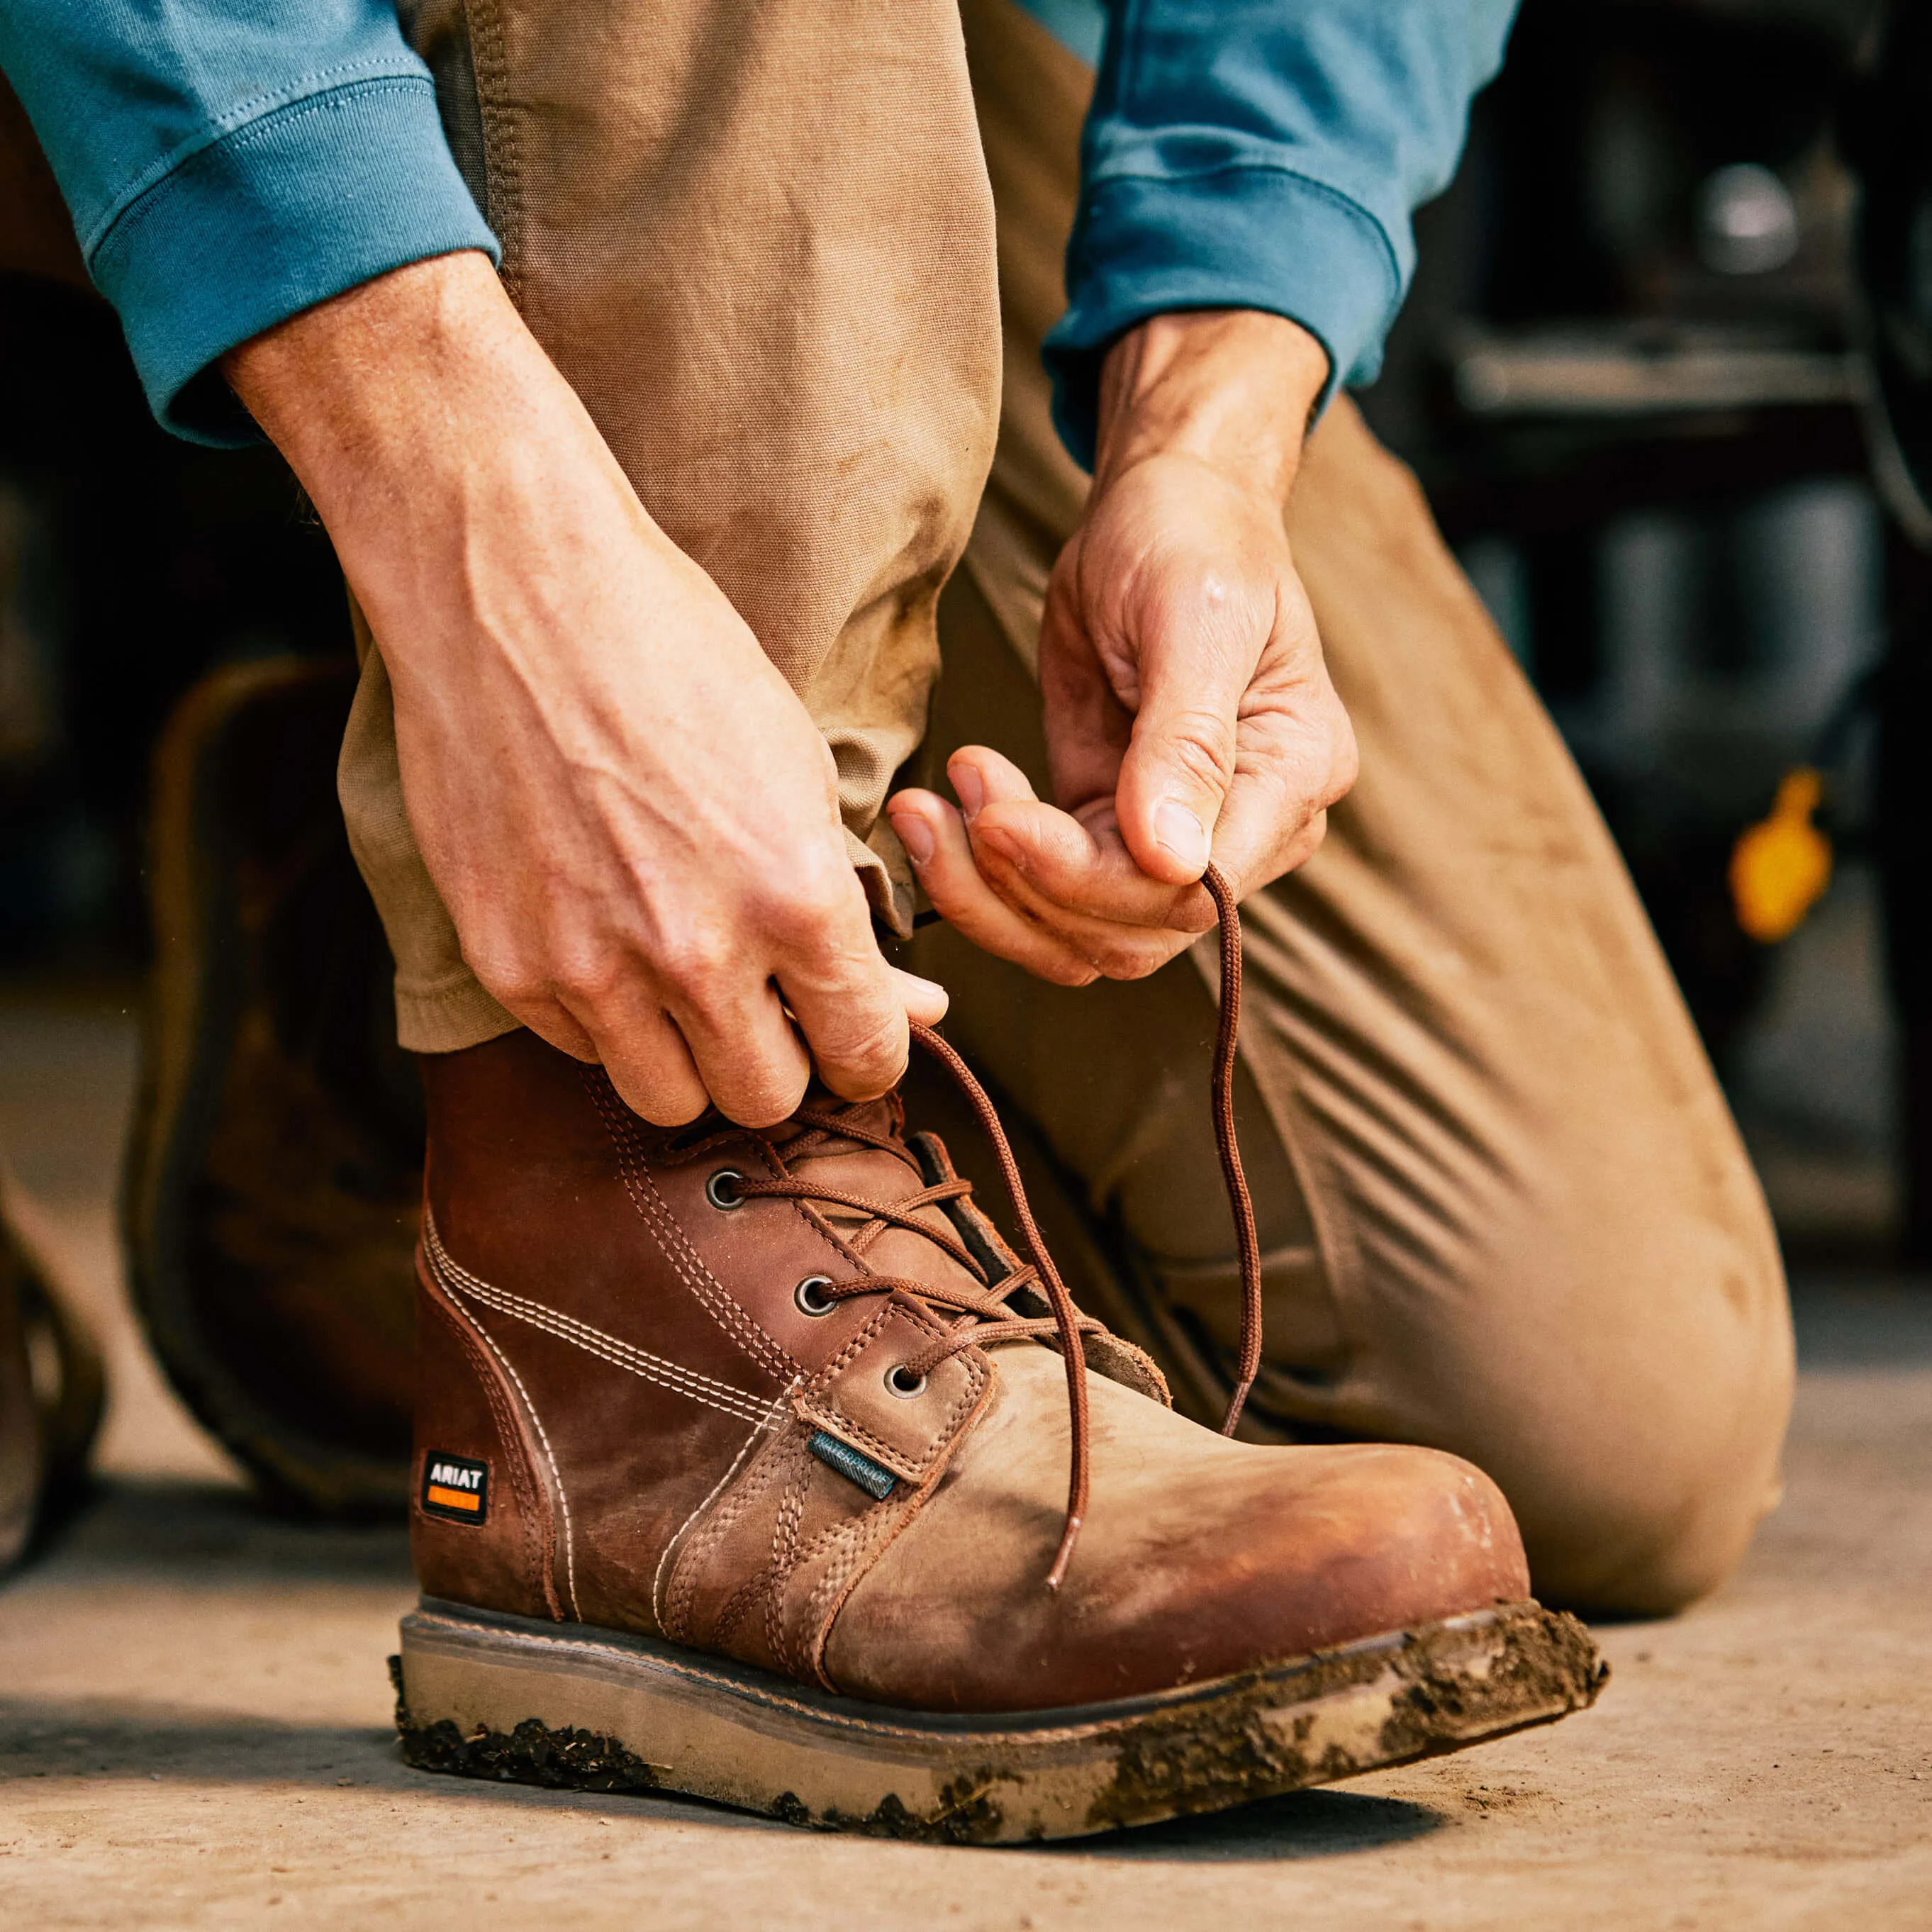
x=1504, y=1210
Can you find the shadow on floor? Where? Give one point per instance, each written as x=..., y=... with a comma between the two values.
x=131, y=1737
x=81, y=1739
x=1303, y=1825
x=171, y=1531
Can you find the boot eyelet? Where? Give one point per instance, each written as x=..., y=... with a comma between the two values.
x=898, y=1383
x=721, y=1190
x=810, y=1296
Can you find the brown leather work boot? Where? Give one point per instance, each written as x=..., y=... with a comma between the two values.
x=743, y=1469
x=275, y=1174
x=51, y=1394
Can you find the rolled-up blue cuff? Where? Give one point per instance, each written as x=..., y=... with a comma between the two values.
x=1241, y=236
x=288, y=210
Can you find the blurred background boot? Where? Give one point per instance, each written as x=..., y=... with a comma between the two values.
x=50, y=1400
x=1887, y=140
x=273, y=1178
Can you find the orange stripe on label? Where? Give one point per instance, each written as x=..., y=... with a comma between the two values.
x=454, y=1499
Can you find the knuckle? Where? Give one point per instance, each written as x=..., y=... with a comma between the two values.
x=1063, y=583
x=694, y=959
x=800, y=911
x=763, y=1099
x=1309, y=841
x=798, y=924
x=509, y=976
x=1063, y=969
x=591, y=981
x=1345, y=769
x=664, y=1103
x=519, y=992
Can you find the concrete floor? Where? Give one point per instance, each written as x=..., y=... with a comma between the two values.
x=194, y=1707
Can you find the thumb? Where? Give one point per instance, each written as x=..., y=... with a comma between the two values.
x=1179, y=762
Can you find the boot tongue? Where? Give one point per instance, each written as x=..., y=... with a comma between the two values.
x=870, y=1174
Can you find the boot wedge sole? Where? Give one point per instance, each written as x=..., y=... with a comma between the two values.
x=489, y=1696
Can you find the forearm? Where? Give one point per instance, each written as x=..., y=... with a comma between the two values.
x=395, y=365
x=629, y=816
x=448, y=459
x=400, y=397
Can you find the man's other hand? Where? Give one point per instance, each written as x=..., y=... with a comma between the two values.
x=630, y=817
x=1188, y=715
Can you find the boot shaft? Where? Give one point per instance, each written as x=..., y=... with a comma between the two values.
x=608, y=1331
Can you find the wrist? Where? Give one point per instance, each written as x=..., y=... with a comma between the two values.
x=388, y=397
x=1234, y=389
x=457, y=473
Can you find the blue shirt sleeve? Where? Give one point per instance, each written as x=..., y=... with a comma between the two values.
x=1262, y=154
x=229, y=162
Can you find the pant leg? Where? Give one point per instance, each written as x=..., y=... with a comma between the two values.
x=756, y=236
x=1504, y=1209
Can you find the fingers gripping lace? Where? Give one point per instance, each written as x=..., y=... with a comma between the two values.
x=985, y=1317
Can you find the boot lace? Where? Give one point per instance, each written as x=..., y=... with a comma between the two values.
x=984, y=1317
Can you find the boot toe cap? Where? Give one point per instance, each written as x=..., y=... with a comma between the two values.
x=1199, y=1558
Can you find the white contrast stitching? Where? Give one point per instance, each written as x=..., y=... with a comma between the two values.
x=225, y=131
x=677, y=1249
x=701, y=1388
x=768, y=1421
x=556, y=1474
x=523, y=1484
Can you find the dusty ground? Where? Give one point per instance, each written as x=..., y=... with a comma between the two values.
x=192, y=1706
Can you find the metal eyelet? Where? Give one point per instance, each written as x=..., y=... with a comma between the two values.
x=721, y=1190
x=898, y=1383
x=810, y=1297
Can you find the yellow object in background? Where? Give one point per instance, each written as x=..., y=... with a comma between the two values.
x=1782, y=865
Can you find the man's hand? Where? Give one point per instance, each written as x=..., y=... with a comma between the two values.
x=630, y=817
x=1189, y=714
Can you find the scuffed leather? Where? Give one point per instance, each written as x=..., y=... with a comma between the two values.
x=1199, y=1557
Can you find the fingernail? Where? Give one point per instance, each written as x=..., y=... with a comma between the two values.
x=971, y=788
x=1182, y=833
x=915, y=834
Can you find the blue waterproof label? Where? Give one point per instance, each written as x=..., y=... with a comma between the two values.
x=874, y=1480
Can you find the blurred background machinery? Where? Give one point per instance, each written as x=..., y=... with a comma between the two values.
x=1632, y=378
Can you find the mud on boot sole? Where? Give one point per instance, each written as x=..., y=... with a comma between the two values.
x=486, y=1696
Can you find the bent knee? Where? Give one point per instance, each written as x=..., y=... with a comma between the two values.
x=1643, y=1522
x=1636, y=1421
x=1625, y=1563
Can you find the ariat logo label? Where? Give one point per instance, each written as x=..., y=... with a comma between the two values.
x=455, y=1487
